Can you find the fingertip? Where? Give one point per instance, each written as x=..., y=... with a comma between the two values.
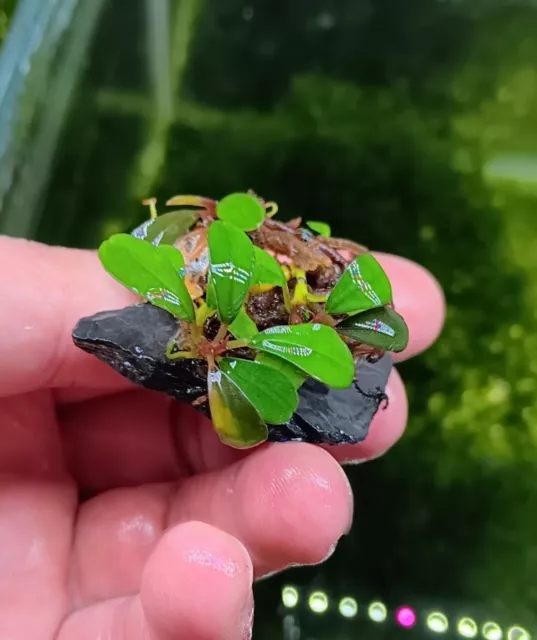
x=197, y=584
x=419, y=298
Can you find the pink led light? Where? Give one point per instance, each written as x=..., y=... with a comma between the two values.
x=406, y=617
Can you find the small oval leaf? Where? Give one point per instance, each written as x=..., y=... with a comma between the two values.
x=272, y=394
x=321, y=228
x=235, y=419
x=242, y=210
x=267, y=270
x=314, y=348
x=381, y=328
x=155, y=273
x=243, y=327
x=363, y=286
x=166, y=228
x=231, y=267
x=295, y=375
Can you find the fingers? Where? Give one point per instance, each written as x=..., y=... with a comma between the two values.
x=47, y=291
x=197, y=584
x=288, y=504
x=419, y=299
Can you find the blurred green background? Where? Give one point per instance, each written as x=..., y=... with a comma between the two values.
x=409, y=126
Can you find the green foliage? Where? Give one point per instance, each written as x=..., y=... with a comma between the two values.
x=235, y=419
x=314, y=348
x=269, y=390
x=322, y=228
x=363, y=285
x=243, y=326
x=267, y=269
x=242, y=210
x=382, y=328
x=166, y=228
x=231, y=268
x=155, y=273
x=295, y=375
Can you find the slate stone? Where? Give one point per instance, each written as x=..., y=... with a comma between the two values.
x=133, y=341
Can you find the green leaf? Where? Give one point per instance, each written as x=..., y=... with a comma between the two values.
x=166, y=228
x=295, y=375
x=314, y=348
x=267, y=270
x=155, y=273
x=242, y=210
x=363, y=286
x=231, y=255
x=243, y=326
x=381, y=328
x=235, y=419
x=321, y=228
x=272, y=394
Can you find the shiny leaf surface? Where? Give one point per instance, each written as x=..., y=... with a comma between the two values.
x=267, y=270
x=231, y=268
x=295, y=375
x=166, y=228
x=243, y=326
x=235, y=419
x=242, y=210
x=272, y=394
x=155, y=273
x=382, y=328
x=314, y=348
x=363, y=286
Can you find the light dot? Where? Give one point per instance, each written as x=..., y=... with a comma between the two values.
x=467, y=628
x=290, y=597
x=318, y=602
x=348, y=607
x=377, y=612
x=437, y=622
x=406, y=617
x=517, y=633
x=492, y=631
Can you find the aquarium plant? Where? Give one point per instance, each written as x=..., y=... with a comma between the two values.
x=265, y=304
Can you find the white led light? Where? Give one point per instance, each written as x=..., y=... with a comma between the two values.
x=492, y=631
x=377, y=611
x=517, y=633
x=289, y=597
x=348, y=607
x=467, y=627
x=437, y=622
x=318, y=602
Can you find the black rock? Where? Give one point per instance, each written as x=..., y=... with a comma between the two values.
x=133, y=342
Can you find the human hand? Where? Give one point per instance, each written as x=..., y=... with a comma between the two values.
x=174, y=526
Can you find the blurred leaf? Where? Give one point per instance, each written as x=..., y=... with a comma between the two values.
x=243, y=326
x=235, y=419
x=269, y=390
x=295, y=375
x=166, y=228
x=363, y=286
x=382, y=328
x=231, y=268
x=321, y=228
x=242, y=210
x=267, y=269
x=314, y=348
x=155, y=273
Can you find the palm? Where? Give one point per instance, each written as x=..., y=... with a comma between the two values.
x=121, y=514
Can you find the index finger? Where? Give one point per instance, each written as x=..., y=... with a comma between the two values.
x=45, y=291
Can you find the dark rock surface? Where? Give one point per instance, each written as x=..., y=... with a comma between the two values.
x=133, y=342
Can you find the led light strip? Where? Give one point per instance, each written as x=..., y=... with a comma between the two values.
x=437, y=622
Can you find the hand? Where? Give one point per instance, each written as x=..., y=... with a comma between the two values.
x=175, y=526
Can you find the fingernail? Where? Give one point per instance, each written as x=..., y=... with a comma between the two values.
x=246, y=619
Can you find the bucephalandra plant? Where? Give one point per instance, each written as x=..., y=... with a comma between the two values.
x=324, y=303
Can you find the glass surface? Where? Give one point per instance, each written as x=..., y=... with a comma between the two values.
x=408, y=126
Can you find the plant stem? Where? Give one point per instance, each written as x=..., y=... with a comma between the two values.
x=236, y=344
x=182, y=354
x=221, y=333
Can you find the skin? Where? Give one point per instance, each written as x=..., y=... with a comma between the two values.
x=174, y=527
